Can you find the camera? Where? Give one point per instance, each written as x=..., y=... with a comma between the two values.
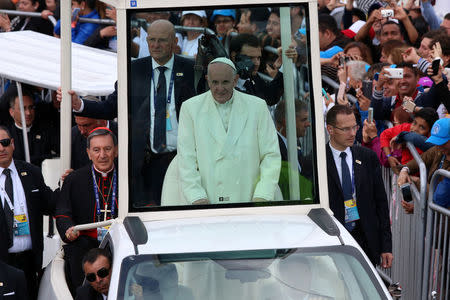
x=396, y=73
x=244, y=66
x=386, y=13
x=406, y=192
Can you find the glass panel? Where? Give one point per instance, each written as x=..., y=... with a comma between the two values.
x=231, y=149
x=327, y=273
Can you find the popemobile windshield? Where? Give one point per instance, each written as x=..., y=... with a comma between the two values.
x=222, y=186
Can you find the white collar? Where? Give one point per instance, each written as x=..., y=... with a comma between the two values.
x=11, y=166
x=168, y=64
x=104, y=174
x=28, y=128
x=338, y=152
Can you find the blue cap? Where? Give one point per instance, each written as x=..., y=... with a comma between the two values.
x=224, y=12
x=329, y=53
x=440, y=133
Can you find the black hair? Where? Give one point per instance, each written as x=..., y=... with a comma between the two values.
x=390, y=22
x=98, y=132
x=89, y=3
x=447, y=16
x=240, y=40
x=280, y=110
x=327, y=22
x=421, y=26
x=444, y=41
x=359, y=13
x=5, y=129
x=26, y=92
x=92, y=255
x=429, y=115
x=337, y=110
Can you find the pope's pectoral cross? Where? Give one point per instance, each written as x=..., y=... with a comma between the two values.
x=106, y=211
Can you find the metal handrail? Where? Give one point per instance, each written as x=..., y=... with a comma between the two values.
x=335, y=86
x=420, y=242
x=27, y=14
x=440, y=209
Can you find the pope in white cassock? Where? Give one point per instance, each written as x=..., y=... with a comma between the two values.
x=227, y=143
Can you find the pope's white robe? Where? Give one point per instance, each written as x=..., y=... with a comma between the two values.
x=227, y=166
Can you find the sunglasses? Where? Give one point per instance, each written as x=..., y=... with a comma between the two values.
x=5, y=142
x=102, y=273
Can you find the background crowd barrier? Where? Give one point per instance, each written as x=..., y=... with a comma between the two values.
x=436, y=258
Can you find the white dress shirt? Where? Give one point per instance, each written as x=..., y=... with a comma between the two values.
x=337, y=161
x=20, y=243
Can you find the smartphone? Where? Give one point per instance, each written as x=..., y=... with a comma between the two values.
x=406, y=192
x=367, y=88
x=342, y=61
x=75, y=13
x=376, y=76
x=395, y=73
x=435, y=66
x=370, y=117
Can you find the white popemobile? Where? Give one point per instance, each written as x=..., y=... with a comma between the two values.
x=287, y=249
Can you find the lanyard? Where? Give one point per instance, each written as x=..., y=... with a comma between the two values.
x=442, y=162
x=169, y=95
x=7, y=200
x=97, y=198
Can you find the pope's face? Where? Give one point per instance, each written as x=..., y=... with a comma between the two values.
x=221, y=81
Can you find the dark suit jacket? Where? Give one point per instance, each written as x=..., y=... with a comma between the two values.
x=86, y=292
x=13, y=281
x=370, y=198
x=43, y=142
x=77, y=201
x=40, y=200
x=79, y=156
x=269, y=91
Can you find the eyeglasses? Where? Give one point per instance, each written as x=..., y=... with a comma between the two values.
x=5, y=142
x=102, y=273
x=348, y=129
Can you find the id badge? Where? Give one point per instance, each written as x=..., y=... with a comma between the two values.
x=101, y=232
x=168, y=123
x=21, y=227
x=351, y=211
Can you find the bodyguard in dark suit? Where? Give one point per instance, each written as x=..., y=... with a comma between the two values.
x=21, y=233
x=12, y=283
x=153, y=107
x=355, y=187
x=43, y=137
x=97, y=269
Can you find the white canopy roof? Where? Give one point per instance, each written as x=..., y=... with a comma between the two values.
x=34, y=58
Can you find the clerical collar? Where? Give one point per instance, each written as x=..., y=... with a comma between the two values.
x=28, y=128
x=226, y=104
x=104, y=174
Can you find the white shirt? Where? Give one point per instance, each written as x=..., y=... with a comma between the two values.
x=337, y=161
x=190, y=47
x=171, y=135
x=20, y=243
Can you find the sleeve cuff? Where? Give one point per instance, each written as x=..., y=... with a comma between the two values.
x=81, y=107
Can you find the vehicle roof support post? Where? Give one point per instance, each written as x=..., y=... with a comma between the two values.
x=66, y=85
x=23, y=122
x=288, y=96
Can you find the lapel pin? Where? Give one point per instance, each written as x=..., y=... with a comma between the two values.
x=23, y=174
x=358, y=162
x=180, y=74
x=38, y=137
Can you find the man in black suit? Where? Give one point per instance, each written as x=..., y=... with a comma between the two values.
x=12, y=283
x=153, y=108
x=43, y=138
x=355, y=187
x=97, y=269
x=24, y=199
x=85, y=200
x=245, y=47
x=80, y=133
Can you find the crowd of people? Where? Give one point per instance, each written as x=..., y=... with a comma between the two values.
x=388, y=68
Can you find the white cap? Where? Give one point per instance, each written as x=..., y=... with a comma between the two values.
x=357, y=26
x=223, y=60
x=200, y=13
